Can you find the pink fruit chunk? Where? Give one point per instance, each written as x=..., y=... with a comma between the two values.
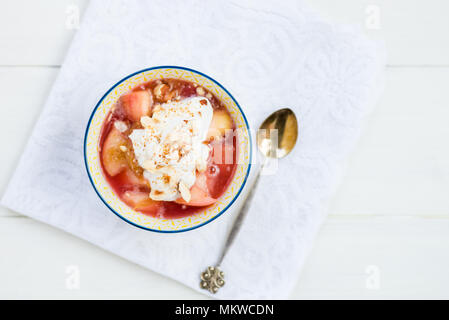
x=141, y=201
x=200, y=196
x=132, y=198
x=137, y=104
x=129, y=178
x=114, y=159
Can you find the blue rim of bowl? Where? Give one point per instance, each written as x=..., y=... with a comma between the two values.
x=247, y=171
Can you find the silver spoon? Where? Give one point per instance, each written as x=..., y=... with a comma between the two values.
x=276, y=138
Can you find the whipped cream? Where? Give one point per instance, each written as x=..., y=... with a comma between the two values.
x=171, y=146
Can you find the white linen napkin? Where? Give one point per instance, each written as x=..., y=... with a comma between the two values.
x=268, y=54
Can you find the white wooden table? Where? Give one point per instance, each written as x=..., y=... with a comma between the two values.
x=387, y=235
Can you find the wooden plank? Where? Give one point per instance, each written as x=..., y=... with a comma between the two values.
x=413, y=29
x=362, y=257
x=40, y=262
x=400, y=165
x=378, y=258
x=37, y=32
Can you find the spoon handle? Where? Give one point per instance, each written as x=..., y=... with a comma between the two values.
x=240, y=217
x=212, y=278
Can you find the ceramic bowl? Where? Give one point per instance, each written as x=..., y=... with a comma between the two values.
x=106, y=193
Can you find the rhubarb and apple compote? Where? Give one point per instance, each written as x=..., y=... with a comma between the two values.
x=167, y=148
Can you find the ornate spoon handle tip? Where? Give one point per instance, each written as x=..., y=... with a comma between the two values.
x=212, y=279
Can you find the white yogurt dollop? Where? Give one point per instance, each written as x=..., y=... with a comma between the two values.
x=170, y=148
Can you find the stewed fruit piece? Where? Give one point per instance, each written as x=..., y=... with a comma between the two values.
x=141, y=201
x=113, y=156
x=200, y=196
x=137, y=104
x=221, y=121
x=129, y=178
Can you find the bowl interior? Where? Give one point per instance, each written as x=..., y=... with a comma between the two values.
x=106, y=193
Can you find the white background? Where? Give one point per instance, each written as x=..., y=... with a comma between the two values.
x=387, y=234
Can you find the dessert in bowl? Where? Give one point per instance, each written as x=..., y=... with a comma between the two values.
x=168, y=149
